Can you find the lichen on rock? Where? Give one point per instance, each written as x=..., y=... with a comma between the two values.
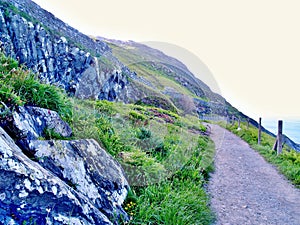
x=30, y=192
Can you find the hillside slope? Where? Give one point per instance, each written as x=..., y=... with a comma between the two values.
x=167, y=75
x=59, y=173
x=69, y=156
x=89, y=68
x=60, y=54
x=98, y=68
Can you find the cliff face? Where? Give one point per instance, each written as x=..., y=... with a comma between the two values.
x=58, y=53
x=87, y=68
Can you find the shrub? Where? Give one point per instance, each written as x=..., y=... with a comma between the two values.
x=143, y=133
x=137, y=116
x=157, y=102
x=105, y=107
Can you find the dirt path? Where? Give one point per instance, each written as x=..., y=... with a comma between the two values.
x=245, y=189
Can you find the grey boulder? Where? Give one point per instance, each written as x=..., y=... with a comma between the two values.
x=88, y=169
x=30, y=123
x=31, y=193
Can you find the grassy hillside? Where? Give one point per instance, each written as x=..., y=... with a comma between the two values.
x=166, y=157
x=162, y=71
x=165, y=75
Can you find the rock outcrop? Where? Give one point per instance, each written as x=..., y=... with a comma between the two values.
x=58, y=53
x=30, y=193
x=56, y=181
x=30, y=123
x=87, y=168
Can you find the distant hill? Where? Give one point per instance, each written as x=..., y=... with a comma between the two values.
x=163, y=74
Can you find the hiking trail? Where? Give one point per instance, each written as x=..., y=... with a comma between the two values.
x=245, y=189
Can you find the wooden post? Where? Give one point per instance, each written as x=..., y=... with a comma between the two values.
x=279, y=136
x=239, y=127
x=248, y=121
x=278, y=143
x=259, y=131
x=233, y=120
x=275, y=144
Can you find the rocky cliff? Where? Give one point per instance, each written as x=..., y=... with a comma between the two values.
x=88, y=68
x=59, y=53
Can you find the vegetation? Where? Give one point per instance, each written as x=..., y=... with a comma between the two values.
x=19, y=86
x=158, y=102
x=288, y=163
x=165, y=156
x=146, y=64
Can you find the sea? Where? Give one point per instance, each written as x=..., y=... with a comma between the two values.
x=291, y=128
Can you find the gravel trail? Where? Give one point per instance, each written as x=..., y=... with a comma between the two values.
x=245, y=189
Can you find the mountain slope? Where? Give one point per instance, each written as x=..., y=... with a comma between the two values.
x=171, y=78
x=165, y=151
x=89, y=68
x=60, y=54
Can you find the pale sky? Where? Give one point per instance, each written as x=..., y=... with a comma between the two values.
x=252, y=47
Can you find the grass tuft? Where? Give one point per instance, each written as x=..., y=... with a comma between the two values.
x=19, y=86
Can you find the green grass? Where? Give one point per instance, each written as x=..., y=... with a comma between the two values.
x=164, y=155
x=171, y=202
x=158, y=78
x=288, y=163
x=19, y=86
x=131, y=57
x=180, y=199
x=166, y=164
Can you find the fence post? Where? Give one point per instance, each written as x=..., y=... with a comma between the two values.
x=259, y=131
x=248, y=121
x=239, y=127
x=279, y=144
x=233, y=120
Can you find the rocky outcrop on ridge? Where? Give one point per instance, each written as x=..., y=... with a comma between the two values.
x=58, y=53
